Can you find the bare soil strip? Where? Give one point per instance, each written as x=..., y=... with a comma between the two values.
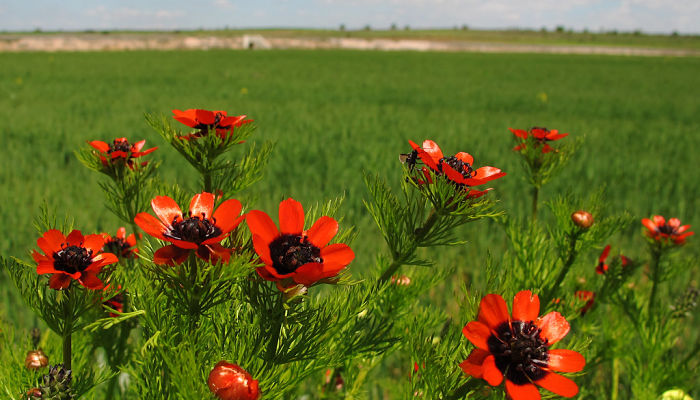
x=165, y=41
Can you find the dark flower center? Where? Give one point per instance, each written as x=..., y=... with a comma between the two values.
x=519, y=351
x=289, y=252
x=193, y=229
x=458, y=165
x=117, y=246
x=72, y=259
x=667, y=229
x=119, y=145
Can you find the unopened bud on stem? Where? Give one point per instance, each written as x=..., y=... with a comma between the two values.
x=582, y=219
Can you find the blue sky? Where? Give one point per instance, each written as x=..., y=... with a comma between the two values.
x=624, y=15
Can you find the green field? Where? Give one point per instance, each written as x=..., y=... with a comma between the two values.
x=334, y=114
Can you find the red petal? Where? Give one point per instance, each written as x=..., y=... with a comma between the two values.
x=547, y=148
x=166, y=209
x=659, y=220
x=564, y=360
x=455, y=175
x=473, y=364
x=554, y=135
x=186, y=117
x=519, y=133
x=465, y=157
x=558, y=384
x=59, y=281
x=170, y=255
x=150, y=224
x=202, y=204
x=261, y=224
x=649, y=225
x=527, y=391
x=94, y=242
x=136, y=147
x=227, y=215
x=526, y=306
x=99, y=145
x=604, y=254
x=425, y=157
x=101, y=260
x=337, y=254
x=121, y=233
x=493, y=311
x=322, y=231
x=262, y=249
x=310, y=273
x=433, y=150
x=492, y=374
x=51, y=241
x=205, y=116
x=183, y=244
x=45, y=267
x=91, y=281
x=477, y=333
x=488, y=173
x=214, y=253
x=75, y=238
x=554, y=327
x=291, y=215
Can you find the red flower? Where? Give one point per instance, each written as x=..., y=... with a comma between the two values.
x=292, y=253
x=661, y=231
x=602, y=267
x=457, y=169
x=204, y=121
x=202, y=230
x=121, y=151
x=588, y=297
x=74, y=257
x=115, y=303
x=542, y=135
x=518, y=348
x=230, y=382
x=121, y=245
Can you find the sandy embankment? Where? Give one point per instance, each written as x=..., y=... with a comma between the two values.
x=165, y=41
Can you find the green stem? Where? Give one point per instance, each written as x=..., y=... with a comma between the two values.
x=67, y=329
x=207, y=181
x=276, y=330
x=535, y=196
x=418, y=235
x=573, y=238
x=615, y=379
x=655, y=263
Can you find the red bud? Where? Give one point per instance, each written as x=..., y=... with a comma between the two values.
x=582, y=219
x=231, y=382
x=36, y=359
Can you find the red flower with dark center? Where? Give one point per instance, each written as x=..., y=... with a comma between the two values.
x=542, y=135
x=292, y=254
x=120, y=150
x=458, y=169
x=230, y=382
x=602, y=267
x=518, y=348
x=202, y=230
x=121, y=245
x=662, y=231
x=588, y=297
x=115, y=303
x=204, y=121
x=74, y=257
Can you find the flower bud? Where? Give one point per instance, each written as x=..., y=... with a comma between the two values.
x=36, y=359
x=32, y=394
x=230, y=382
x=582, y=219
x=675, y=394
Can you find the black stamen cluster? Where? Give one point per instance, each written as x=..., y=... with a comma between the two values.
x=458, y=165
x=519, y=351
x=119, y=145
x=193, y=229
x=117, y=246
x=667, y=229
x=289, y=252
x=203, y=128
x=72, y=259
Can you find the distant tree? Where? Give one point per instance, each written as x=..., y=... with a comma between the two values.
x=394, y=27
x=674, y=34
x=585, y=30
x=465, y=27
x=543, y=29
x=367, y=28
x=407, y=28
x=560, y=28
x=637, y=32
x=342, y=28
